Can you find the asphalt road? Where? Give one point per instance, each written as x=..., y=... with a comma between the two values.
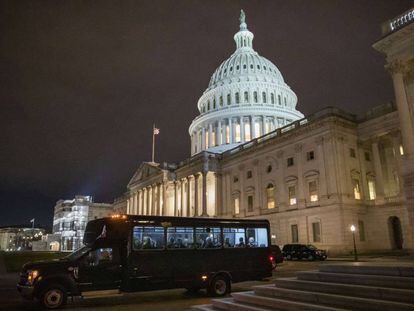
x=171, y=300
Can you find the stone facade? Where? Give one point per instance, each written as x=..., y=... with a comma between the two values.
x=312, y=178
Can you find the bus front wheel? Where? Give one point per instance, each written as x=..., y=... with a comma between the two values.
x=219, y=286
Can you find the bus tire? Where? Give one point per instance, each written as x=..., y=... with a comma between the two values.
x=219, y=286
x=54, y=296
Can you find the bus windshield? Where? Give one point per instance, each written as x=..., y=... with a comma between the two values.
x=78, y=253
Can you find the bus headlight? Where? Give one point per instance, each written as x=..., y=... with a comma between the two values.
x=31, y=276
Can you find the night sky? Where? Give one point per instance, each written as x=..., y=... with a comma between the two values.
x=81, y=82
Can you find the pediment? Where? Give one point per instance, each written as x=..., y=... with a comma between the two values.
x=144, y=171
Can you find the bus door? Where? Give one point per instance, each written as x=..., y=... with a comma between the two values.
x=149, y=263
x=100, y=269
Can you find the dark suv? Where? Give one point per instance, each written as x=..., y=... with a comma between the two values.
x=303, y=251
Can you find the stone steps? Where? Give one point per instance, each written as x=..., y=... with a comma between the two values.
x=339, y=301
x=383, y=293
x=358, y=279
x=353, y=286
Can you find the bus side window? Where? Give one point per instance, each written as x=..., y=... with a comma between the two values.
x=148, y=238
x=257, y=237
x=180, y=237
x=208, y=237
x=234, y=237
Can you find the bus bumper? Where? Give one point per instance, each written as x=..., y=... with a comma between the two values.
x=25, y=291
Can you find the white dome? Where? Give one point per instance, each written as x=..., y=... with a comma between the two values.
x=247, y=97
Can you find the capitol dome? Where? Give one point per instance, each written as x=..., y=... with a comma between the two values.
x=247, y=97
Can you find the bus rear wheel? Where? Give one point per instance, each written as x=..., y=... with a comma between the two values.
x=219, y=286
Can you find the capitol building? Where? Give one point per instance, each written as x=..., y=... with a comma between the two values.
x=254, y=155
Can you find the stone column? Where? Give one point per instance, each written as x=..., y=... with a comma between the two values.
x=204, y=195
x=143, y=201
x=301, y=184
x=164, y=198
x=263, y=125
x=218, y=194
x=231, y=128
x=188, y=199
x=210, y=135
x=159, y=198
x=398, y=69
x=196, y=176
x=203, y=138
x=128, y=208
x=154, y=200
x=379, y=178
x=219, y=134
x=182, y=198
x=175, y=198
x=148, y=209
x=242, y=139
x=252, y=127
x=320, y=158
x=136, y=203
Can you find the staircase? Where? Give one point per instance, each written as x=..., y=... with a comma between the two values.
x=353, y=286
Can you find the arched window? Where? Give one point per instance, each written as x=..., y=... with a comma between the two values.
x=221, y=101
x=214, y=103
x=255, y=96
x=246, y=97
x=270, y=195
x=264, y=97
x=228, y=99
x=272, y=98
x=237, y=98
x=208, y=105
x=279, y=99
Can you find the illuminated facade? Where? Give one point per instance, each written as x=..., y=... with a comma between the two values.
x=71, y=217
x=312, y=178
x=19, y=238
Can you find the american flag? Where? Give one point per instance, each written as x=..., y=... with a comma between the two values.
x=156, y=131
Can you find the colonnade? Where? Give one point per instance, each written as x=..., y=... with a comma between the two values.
x=234, y=130
x=186, y=197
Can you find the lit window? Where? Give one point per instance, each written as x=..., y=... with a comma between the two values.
x=310, y=155
x=148, y=238
x=237, y=133
x=247, y=136
x=264, y=97
x=292, y=195
x=313, y=191
x=270, y=193
x=290, y=161
x=180, y=237
x=246, y=97
x=237, y=98
x=256, y=237
x=250, y=203
x=316, y=230
x=213, y=138
x=357, y=188
x=371, y=189
x=352, y=153
x=401, y=150
x=236, y=206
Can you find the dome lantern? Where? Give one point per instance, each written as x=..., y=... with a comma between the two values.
x=244, y=38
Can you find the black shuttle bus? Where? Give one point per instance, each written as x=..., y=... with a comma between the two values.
x=140, y=253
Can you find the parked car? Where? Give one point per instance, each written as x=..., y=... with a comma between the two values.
x=303, y=251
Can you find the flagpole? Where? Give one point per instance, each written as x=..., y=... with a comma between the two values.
x=153, y=142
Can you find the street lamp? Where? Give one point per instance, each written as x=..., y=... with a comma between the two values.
x=353, y=228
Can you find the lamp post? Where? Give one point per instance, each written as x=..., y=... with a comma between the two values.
x=353, y=228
